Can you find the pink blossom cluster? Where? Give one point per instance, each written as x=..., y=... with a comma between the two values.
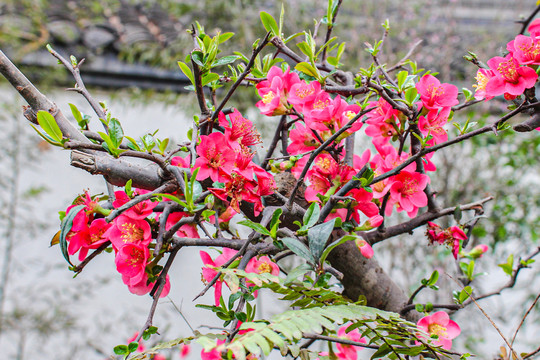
x=226, y=158
x=87, y=229
x=452, y=237
x=130, y=235
x=259, y=265
x=512, y=74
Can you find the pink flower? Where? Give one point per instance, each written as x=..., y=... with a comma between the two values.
x=275, y=90
x=332, y=117
x=94, y=237
x=509, y=77
x=383, y=121
x=452, y=236
x=131, y=262
x=139, y=211
x=433, y=123
x=302, y=140
x=407, y=190
x=262, y=265
x=365, y=249
x=435, y=95
x=144, y=287
x=482, y=78
x=126, y=230
x=208, y=273
x=239, y=130
x=215, y=157
x=302, y=95
x=439, y=324
x=347, y=352
x=525, y=49
x=534, y=26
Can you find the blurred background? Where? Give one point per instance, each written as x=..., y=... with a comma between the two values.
x=131, y=49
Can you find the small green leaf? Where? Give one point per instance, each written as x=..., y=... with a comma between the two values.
x=224, y=37
x=318, y=236
x=121, y=350
x=255, y=226
x=307, y=69
x=297, y=247
x=187, y=71
x=269, y=23
x=132, y=347
x=312, y=215
x=49, y=125
x=338, y=242
x=225, y=60
x=116, y=133
x=208, y=78
x=76, y=114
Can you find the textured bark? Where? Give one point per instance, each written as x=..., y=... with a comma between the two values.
x=363, y=276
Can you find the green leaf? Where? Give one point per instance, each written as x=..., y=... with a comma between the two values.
x=318, y=236
x=175, y=199
x=76, y=114
x=433, y=278
x=49, y=125
x=65, y=228
x=508, y=267
x=312, y=215
x=307, y=69
x=336, y=243
x=116, y=132
x=224, y=37
x=269, y=23
x=383, y=350
x=121, y=350
x=208, y=78
x=300, y=270
x=132, y=347
x=299, y=249
x=187, y=71
x=225, y=60
x=255, y=226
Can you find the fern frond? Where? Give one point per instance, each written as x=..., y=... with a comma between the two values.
x=289, y=327
x=300, y=295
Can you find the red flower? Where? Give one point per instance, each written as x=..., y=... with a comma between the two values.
x=208, y=273
x=215, y=157
x=435, y=95
x=509, y=77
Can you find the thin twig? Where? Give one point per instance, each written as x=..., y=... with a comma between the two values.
x=238, y=81
x=136, y=200
x=524, y=317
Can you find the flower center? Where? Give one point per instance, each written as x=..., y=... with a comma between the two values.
x=302, y=93
x=131, y=233
x=319, y=105
x=264, y=268
x=350, y=115
x=410, y=186
x=268, y=97
x=436, y=329
x=508, y=70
